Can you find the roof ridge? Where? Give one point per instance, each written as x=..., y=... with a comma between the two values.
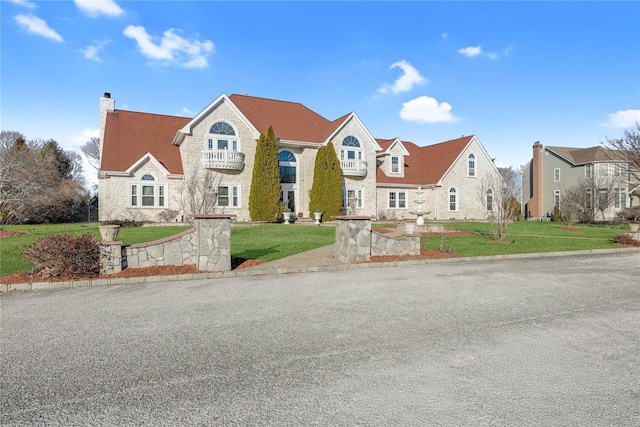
x=117, y=110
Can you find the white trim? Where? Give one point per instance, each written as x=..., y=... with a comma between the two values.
x=230, y=196
x=354, y=116
x=397, y=193
x=457, y=194
x=188, y=128
x=298, y=144
x=148, y=156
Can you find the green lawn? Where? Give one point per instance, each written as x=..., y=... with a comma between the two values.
x=273, y=241
x=526, y=237
x=12, y=261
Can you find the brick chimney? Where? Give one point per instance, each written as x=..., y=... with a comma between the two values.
x=535, y=204
x=107, y=105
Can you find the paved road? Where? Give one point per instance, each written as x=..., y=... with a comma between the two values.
x=511, y=343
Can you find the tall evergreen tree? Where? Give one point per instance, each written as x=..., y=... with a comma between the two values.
x=326, y=190
x=264, y=199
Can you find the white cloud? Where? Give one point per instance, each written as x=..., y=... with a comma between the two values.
x=444, y=36
x=81, y=138
x=92, y=51
x=24, y=3
x=188, y=112
x=427, y=110
x=471, y=51
x=622, y=119
x=406, y=81
x=172, y=48
x=34, y=25
x=99, y=7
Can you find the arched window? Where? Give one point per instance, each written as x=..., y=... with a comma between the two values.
x=489, y=199
x=147, y=177
x=351, y=149
x=287, y=167
x=453, y=199
x=222, y=136
x=472, y=165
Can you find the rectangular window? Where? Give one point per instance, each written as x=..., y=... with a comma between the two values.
x=453, y=205
x=618, y=169
x=588, y=170
x=223, y=144
x=603, y=199
x=160, y=196
x=556, y=174
x=395, y=164
x=228, y=196
x=134, y=195
x=397, y=199
x=588, y=201
x=350, y=193
x=620, y=200
x=147, y=195
x=603, y=169
x=556, y=198
x=402, y=199
x=234, y=145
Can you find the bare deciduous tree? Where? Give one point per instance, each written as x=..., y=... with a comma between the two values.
x=628, y=147
x=91, y=149
x=499, y=195
x=199, y=192
x=588, y=198
x=38, y=185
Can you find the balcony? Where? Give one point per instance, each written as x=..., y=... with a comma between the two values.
x=354, y=168
x=223, y=159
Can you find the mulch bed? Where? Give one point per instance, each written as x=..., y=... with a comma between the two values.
x=4, y=233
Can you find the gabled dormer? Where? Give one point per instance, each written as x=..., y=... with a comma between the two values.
x=392, y=157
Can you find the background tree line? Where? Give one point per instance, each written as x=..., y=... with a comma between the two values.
x=40, y=182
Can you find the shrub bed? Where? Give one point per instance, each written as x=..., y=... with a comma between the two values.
x=65, y=255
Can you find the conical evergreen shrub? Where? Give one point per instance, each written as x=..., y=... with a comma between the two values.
x=264, y=199
x=326, y=190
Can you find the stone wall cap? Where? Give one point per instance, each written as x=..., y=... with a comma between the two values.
x=110, y=242
x=353, y=217
x=212, y=216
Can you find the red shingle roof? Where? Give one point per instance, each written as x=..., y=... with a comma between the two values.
x=290, y=120
x=426, y=165
x=130, y=135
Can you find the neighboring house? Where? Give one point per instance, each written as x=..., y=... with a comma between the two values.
x=149, y=162
x=603, y=173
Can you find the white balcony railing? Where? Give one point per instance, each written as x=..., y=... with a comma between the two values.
x=354, y=167
x=223, y=159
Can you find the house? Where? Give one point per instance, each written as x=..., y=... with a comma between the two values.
x=602, y=174
x=151, y=164
x=447, y=177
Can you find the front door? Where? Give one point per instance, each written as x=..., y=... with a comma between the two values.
x=289, y=199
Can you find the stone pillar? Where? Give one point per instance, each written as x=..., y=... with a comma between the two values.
x=110, y=257
x=213, y=241
x=353, y=238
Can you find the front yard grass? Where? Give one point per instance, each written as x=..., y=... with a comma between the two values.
x=272, y=241
x=525, y=237
x=11, y=248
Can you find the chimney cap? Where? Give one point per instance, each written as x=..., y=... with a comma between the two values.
x=107, y=95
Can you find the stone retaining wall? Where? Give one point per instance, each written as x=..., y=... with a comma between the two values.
x=207, y=245
x=355, y=242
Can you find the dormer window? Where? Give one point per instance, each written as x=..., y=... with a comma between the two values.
x=222, y=136
x=395, y=164
x=351, y=149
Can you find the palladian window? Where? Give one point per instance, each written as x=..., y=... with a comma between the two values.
x=222, y=136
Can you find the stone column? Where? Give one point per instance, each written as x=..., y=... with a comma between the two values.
x=353, y=239
x=214, y=242
x=110, y=257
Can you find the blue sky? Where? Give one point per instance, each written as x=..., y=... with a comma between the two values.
x=563, y=73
